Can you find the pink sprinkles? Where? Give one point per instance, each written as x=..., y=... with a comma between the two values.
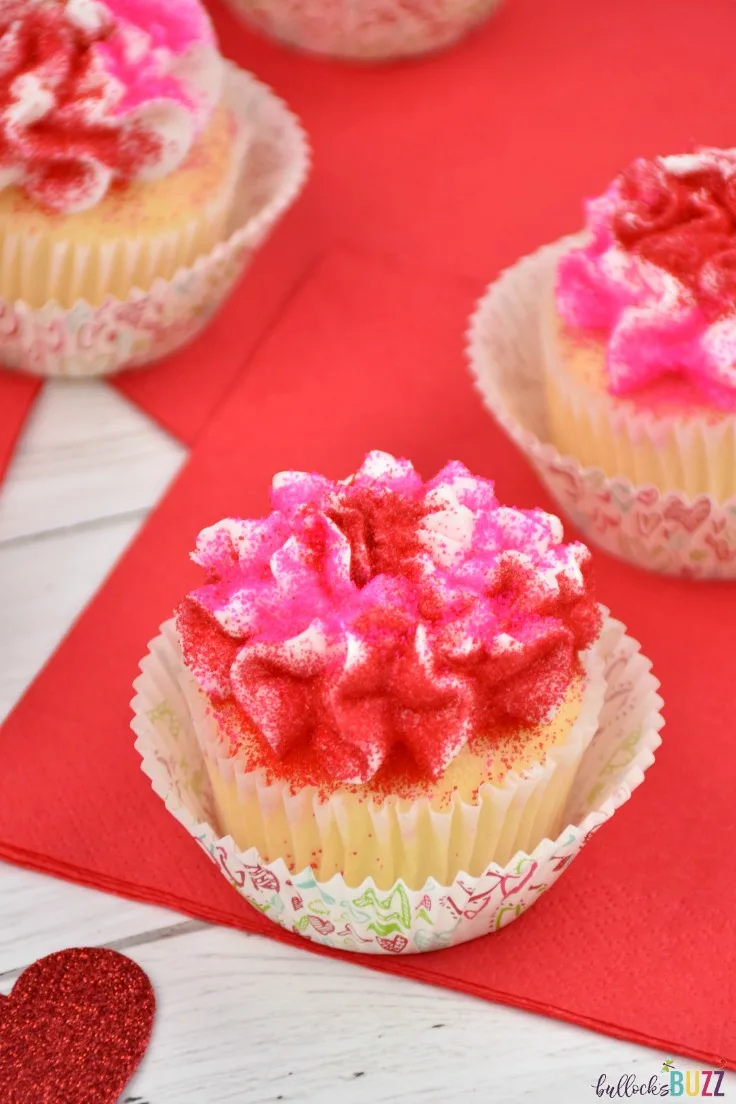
x=379, y=623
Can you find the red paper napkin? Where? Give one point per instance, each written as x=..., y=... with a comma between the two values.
x=465, y=159
x=637, y=939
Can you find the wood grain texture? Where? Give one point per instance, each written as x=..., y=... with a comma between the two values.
x=86, y=454
x=270, y=1023
x=39, y=915
x=241, y=1020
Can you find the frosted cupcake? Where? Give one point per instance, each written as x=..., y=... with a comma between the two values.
x=391, y=678
x=640, y=332
x=119, y=158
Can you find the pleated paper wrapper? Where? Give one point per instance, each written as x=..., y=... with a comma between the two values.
x=399, y=919
x=411, y=839
x=365, y=29
x=87, y=340
x=669, y=532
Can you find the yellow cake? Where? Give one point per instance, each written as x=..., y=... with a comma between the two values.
x=390, y=678
x=670, y=440
x=133, y=236
x=461, y=824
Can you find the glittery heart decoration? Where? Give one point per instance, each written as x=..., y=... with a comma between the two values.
x=74, y=1028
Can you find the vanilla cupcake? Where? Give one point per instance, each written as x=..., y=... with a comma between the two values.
x=640, y=331
x=391, y=679
x=119, y=157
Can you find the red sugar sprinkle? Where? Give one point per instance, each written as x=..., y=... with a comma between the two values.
x=381, y=527
x=60, y=149
x=684, y=223
x=369, y=630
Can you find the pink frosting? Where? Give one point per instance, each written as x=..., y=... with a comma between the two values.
x=658, y=275
x=93, y=93
x=383, y=612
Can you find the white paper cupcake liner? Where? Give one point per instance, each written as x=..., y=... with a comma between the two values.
x=400, y=920
x=394, y=838
x=365, y=29
x=671, y=532
x=87, y=340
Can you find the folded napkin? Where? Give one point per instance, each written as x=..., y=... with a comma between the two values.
x=637, y=939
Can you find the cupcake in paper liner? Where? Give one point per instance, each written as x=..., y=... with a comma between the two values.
x=132, y=165
x=391, y=683
x=611, y=359
x=639, y=331
x=365, y=29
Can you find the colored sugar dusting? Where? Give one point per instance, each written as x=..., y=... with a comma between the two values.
x=658, y=277
x=369, y=630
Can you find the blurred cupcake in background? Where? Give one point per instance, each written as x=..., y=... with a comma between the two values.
x=610, y=358
x=365, y=29
x=124, y=144
x=118, y=159
x=640, y=337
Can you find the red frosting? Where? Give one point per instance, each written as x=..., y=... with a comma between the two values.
x=383, y=622
x=685, y=223
x=657, y=274
x=95, y=94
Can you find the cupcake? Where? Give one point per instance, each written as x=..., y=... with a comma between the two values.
x=118, y=156
x=365, y=29
x=639, y=332
x=391, y=679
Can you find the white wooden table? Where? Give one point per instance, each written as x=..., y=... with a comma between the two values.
x=240, y=1018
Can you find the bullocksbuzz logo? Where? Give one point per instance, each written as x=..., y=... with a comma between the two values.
x=670, y=1081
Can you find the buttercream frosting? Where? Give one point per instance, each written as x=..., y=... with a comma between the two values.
x=95, y=93
x=383, y=613
x=658, y=274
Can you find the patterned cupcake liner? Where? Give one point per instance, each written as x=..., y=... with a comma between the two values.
x=87, y=340
x=365, y=29
x=400, y=920
x=504, y=818
x=671, y=533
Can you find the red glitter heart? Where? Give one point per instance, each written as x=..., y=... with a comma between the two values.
x=74, y=1028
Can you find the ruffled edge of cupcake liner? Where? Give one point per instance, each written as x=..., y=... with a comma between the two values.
x=86, y=340
x=400, y=920
x=671, y=533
